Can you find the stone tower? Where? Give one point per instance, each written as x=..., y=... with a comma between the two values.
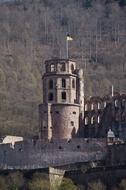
x=63, y=100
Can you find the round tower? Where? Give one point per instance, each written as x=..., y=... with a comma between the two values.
x=59, y=113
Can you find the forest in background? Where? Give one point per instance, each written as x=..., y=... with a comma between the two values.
x=32, y=31
x=40, y=181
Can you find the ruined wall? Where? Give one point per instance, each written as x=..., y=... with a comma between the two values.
x=116, y=155
x=104, y=113
x=32, y=154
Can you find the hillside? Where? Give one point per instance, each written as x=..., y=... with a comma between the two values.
x=32, y=31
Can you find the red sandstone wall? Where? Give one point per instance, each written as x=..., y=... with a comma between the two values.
x=65, y=121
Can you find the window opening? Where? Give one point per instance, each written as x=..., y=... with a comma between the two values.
x=63, y=83
x=52, y=67
x=73, y=83
x=74, y=112
x=72, y=68
x=72, y=123
x=51, y=84
x=50, y=98
x=63, y=95
x=63, y=67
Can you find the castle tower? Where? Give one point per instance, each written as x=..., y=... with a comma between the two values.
x=63, y=100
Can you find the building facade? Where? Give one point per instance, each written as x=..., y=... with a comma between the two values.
x=102, y=114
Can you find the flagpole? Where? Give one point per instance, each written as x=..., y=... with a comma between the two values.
x=112, y=90
x=68, y=38
x=67, y=49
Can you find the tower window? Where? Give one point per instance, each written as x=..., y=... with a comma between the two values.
x=52, y=67
x=63, y=95
x=72, y=68
x=63, y=83
x=72, y=123
x=73, y=83
x=63, y=68
x=51, y=84
x=50, y=97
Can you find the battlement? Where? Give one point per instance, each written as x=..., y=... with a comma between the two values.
x=60, y=66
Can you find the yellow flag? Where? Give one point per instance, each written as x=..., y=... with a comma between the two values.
x=69, y=38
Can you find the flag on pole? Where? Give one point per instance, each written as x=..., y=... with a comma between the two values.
x=69, y=38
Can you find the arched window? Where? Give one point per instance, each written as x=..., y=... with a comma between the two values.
x=104, y=104
x=63, y=67
x=50, y=96
x=99, y=106
x=98, y=119
x=73, y=83
x=63, y=83
x=86, y=107
x=92, y=120
x=50, y=84
x=116, y=103
x=92, y=106
x=63, y=95
x=72, y=68
x=86, y=121
x=52, y=67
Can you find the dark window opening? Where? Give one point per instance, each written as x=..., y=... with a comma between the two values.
x=50, y=98
x=51, y=84
x=63, y=95
x=78, y=146
x=45, y=112
x=60, y=147
x=57, y=112
x=20, y=149
x=63, y=83
x=69, y=141
x=72, y=123
x=63, y=67
x=72, y=68
x=73, y=83
x=44, y=127
x=74, y=112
